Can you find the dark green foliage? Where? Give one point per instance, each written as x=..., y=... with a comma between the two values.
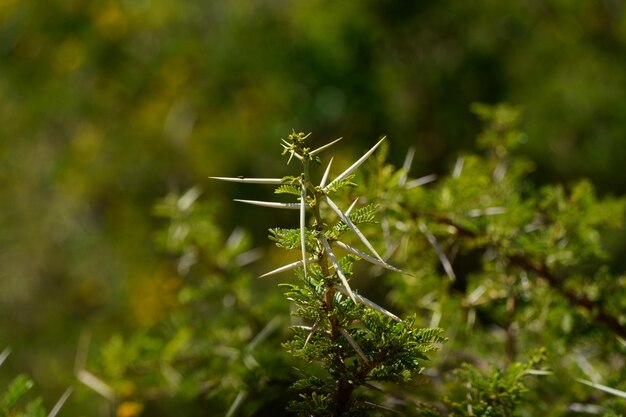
x=504, y=267
x=356, y=344
x=214, y=342
x=497, y=394
x=107, y=106
x=529, y=264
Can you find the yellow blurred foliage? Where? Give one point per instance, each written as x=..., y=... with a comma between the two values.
x=70, y=56
x=91, y=292
x=175, y=72
x=30, y=45
x=7, y=7
x=152, y=296
x=87, y=141
x=129, y=409
x=110, y=20
x=127, y=389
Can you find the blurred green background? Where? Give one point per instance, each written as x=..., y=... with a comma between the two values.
x=106, y=106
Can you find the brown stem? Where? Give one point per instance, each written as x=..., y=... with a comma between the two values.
x=344, y=393
x=345, y=387
x=580, y=300
x=601, y=315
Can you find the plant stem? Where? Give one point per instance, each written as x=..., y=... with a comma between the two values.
x=345, y=387
x=541, y=270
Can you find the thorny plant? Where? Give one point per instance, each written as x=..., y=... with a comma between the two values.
x=357, y=342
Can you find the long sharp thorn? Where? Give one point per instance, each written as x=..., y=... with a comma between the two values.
x=420, y=181
x=325, y=176
x=445, y=262
x=249, y=180
x=265, y=332
x=296, y=154
x=303, y=225
x=95, y=384
x=354, y=344
x=382, y=407
x=406, y=166
x=370, y=304
x=321, y=148
x=59, y=404
x=489, y=211
x=311, y=333
x=241, y=397
x=386, y=232
x=355, y=229
x=369, y=258
x=604, y=388
x=354, y=166
x=288, y=267
x=352, y=206
x=374, y=387
x=458, y=167
x=5, y=354
x=271, y=204
x=335, y=263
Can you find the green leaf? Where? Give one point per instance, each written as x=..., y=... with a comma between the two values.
x=15, y=391
x=340, y=185
x=288, y=189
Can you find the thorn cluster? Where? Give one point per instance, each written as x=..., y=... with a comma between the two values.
x=310, y=197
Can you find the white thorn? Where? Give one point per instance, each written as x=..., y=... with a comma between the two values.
x=4, y=355
x=335, y=263
x=57, y=407
x=351, y=225
x=420, y=181
x=406, y=166
x=248, y=257
x=288, y=267
x=311, y=333
x=249, y=180
x=292, y=154
x=604, y=388
x=303, y=225
x=95, y=384
x=354, y=166
x=369, y=258
x=370, y=304
x=353, y=343
x=325, y=176
x=321, y=148
x=271, y=204
x=447, y=266
x=187, y=199
x=458, y=167
x=352, y=206
x=239, y=399
x=489, y=211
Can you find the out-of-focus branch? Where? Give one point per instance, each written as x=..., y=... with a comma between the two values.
x=601, y=315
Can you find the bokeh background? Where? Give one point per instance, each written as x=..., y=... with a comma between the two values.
x=106, y=106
